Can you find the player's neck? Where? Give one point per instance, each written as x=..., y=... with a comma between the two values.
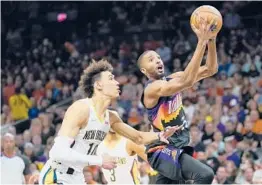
x=101, y=104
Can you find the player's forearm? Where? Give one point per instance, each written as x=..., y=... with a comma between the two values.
x=61, y=151
x=191, y=72
x=211, y=61
x=147, y=137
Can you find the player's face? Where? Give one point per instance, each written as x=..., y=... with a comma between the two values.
x=153, y=65
x=108, y=85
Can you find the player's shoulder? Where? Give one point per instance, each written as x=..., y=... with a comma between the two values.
x=81, y=103
x=153, y=87
x=114, y=117
x=113, y=113
x=81, y=106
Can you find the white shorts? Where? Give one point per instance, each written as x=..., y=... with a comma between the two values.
x=50, y=175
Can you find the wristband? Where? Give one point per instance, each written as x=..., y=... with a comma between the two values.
x=158, y=135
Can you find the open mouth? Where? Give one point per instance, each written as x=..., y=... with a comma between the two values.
x=118, y=90
x=160, y=68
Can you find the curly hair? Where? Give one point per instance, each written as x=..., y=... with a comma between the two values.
x=92, y=73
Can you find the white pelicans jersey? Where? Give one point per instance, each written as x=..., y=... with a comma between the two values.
x=89, y=137
x=126, y=171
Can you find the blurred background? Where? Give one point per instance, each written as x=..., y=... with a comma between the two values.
x=46, y=45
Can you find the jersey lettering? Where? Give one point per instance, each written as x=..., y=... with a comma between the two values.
x=174, y=104
x=95, y=134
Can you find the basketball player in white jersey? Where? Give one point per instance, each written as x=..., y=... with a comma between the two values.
x=126, y=152
x=85, y=125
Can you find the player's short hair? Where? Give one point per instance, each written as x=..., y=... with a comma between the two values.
x=92, y=73
x=140, y=58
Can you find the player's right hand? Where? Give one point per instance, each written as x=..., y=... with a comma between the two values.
x=108, y=162
x=204, y=31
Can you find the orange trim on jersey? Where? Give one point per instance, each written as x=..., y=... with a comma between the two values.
x=156, y=148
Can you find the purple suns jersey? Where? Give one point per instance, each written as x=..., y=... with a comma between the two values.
x=169, y=112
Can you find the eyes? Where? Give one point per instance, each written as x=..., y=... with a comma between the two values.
x=151, y=59
x=111, y=77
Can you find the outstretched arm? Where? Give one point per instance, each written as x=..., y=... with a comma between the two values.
x=137, y=136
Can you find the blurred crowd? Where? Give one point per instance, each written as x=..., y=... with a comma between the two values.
x=224, y=111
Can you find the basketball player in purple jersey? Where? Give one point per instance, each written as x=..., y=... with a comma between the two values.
x=163, y=101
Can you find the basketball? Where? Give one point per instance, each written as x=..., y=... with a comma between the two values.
x=210, y=13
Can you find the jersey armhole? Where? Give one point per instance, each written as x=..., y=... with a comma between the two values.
x=142, y=101
x=127, y=146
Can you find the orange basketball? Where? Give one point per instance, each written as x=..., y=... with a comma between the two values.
x=210, y=13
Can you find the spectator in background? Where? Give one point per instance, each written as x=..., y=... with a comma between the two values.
x=231, y=153
x=218, y=139
x=231, y=170
x=258, y=172
x=221, y=177
x=196, y=142
x=19, y=104
x=38, y=146
x=232, y=19
x=48, y=128
x=13, y=167
x=27, y=136
x=6, y=116
x=29, y=152
x=33, y=111
x=208, y=136
x=165, y=53
x=9, y=89
x=39, y=91
x=36, y=127
x=89, y=177
x=176, y=65
x=189, y=109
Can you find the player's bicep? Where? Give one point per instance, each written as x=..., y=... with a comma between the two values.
x=161, y=88
x=75, y=116
x=178, y=74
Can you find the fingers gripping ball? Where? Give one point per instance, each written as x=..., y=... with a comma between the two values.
x=210, y=13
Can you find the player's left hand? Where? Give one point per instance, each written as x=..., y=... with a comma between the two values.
x=169, y=131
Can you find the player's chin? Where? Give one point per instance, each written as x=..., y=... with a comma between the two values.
x=160, y=74
x=115, y=96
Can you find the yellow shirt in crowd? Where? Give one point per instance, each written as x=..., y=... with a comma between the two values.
x=19, y=105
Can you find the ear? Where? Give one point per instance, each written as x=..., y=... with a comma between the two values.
x=98, y=85
x=143, y=70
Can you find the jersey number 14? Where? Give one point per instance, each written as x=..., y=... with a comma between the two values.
x=92, y=149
